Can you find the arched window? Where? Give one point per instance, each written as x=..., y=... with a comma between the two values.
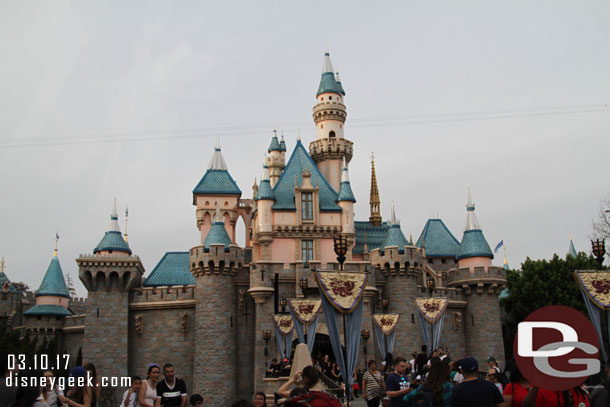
x=331, y=134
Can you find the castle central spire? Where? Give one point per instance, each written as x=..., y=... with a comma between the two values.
x=374, y=203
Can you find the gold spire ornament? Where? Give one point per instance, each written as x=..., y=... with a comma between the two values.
x=375, y=218
x=56, y=241
x=126, y=216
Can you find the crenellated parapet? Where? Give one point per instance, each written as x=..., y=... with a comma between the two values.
x=329, y=109
x=331, y=149
x=109, y=273
x=395, y=260
x=491, y=280
x=144, y=295
x=218, y=259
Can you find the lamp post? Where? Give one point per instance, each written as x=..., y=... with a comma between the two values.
x=599, y=250
x=266, y=337
x=430, y=283
x=366, y=334
x=340, y=246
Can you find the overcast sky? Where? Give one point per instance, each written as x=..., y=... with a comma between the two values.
x=124, y=99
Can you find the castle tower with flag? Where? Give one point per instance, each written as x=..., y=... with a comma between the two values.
x=208, y=309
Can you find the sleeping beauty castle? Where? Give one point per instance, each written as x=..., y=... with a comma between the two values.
x=213, y=309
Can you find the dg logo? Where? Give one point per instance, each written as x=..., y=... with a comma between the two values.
x=557, y=348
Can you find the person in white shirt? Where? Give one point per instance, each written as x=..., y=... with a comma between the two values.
x=130, y=397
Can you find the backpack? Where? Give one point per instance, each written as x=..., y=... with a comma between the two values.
x=313, y=399
x=424, y=399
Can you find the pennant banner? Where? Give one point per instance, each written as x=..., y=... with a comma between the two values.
x=284, y=324
x=343, y=290
x=386, y=322
x=306, y=311
x=431, y=308
x=596, y=284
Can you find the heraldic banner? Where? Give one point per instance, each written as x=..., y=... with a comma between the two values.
x=342, y=298
x=305, y=314
x=431, y=311
x=385, y=326
x=283, y=334
x=595, y=289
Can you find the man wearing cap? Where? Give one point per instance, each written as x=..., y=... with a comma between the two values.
x=493, y=364
x=474, y=392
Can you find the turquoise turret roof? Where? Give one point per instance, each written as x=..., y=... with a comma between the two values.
x=395, y=237
x=282, y=144
x=375, y=236
x=47, y=309
x=172, y=269
x=113, y=239
x=473, y=245
x=328, y=82
x=264, y=189
x=275, y=144
x=439, y=241
x=284, y=188
x=53, y=282
x=572, y=250
x=217, y=235
x=345, y=190
x=217, y=180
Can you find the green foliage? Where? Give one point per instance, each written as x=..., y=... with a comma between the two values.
x=12, y=344
x=540, y=283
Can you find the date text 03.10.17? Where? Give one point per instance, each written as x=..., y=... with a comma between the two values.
x=38, y=362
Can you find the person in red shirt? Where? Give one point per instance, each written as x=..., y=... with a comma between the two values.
x=517, y=389
x=575, y=397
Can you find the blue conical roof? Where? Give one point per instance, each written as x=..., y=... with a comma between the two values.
x=282, y=144
x=4, y=279
x=395, y=237
x=572, y=251
x=48, y=309
x=474, y=244
x=345, y=190
x=217, y=180
x=328, y=82
x=53, y=282
x=217, y=235
x=112, y=241
x=264, y=191
x=439, y=241
x=172, y=269
x=275, y=144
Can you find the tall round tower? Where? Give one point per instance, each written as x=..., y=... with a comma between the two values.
x=474, y=250
x=329, y=114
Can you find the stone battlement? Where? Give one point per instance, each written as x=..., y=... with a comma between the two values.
x=74, y=320
x=216, y=259
x=493, y=277
x=162, y=293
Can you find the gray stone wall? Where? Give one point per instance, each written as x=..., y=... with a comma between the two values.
x=71, y=342
x=162, y=340
x=483, y=325
x=106, y=334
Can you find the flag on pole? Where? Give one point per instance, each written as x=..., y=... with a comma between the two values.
x=498, y=246
x=57, y=235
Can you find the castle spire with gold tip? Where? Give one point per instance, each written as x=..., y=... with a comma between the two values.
x=375, y=218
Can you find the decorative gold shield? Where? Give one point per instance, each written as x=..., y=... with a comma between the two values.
x=306, y=311
x=597, y=286
x=431, y=308
x=343, y=290
x=284, y=324
x=386, y=322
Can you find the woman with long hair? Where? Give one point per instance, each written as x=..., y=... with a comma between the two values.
x=517, y=389
x=51, y=393
x=91, y=371
x=437, y=386
x=78, y=396
x=309, y=378
x=148, y=391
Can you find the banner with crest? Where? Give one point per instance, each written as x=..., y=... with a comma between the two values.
x=305, y=310
x=431, y=308
x=386, y=322
x=343, y=290
x=596, y=285
x=595, y=290
x=384, y=326
x=283, y=323
x=341, y=295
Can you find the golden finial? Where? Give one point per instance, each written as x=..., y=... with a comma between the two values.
x=2, y=265
x=126, y=215
x=56, y=241
x=375, y=218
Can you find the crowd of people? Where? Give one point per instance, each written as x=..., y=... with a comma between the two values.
x=425, y=380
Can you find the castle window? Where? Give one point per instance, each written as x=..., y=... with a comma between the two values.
x=330, y=98
x=443, y=261
x=307, y=250
x=331, y=134
x=306, y=206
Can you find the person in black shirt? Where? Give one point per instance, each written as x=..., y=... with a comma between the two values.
x=397, y=384
x=421, y=360
x=474, y=392
x=171, y=392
